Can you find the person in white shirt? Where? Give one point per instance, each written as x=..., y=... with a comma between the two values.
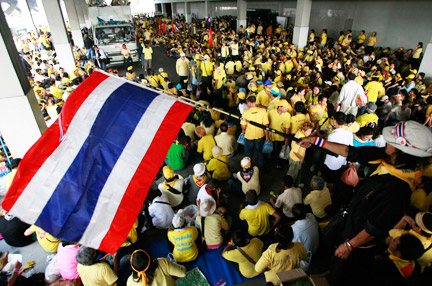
x=305, y=228
x=333, y=165
x=288, y=198
x=159, y=209
x=226, y=141
x=351, y=93
x=401, y=113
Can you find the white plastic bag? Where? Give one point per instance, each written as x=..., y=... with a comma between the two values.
x=284, y=153
x=52, y=272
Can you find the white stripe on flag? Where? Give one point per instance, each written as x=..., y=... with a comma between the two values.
x=124, y=169
x=32, y=201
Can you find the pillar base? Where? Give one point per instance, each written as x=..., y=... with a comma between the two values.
x=426, y=64
x=300, y=36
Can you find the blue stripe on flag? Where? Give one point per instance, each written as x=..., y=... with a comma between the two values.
x=70, y=208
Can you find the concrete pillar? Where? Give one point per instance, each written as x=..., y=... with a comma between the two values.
x=21, y=121
x=163, y=9
x=84, y=8
x=426, y=64
x=173, y=13
x=188, y=14
x=58, y=31
x=301, y=27
x=80, y=13
x=74, y=23
x=207, y=10
x=241, y=14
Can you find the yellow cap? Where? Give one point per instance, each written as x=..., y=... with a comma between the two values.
x=283, y=103
x=130, y=68
x=241, y=95
x=411, y=76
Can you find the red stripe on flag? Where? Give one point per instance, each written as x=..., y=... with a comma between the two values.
x=139, y=186
x=49, y=141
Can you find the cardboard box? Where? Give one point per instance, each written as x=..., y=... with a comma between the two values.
x=289, y=278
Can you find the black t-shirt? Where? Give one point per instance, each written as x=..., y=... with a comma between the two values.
x=13, y=232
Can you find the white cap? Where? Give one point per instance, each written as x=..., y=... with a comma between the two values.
x=384, y=98
x=199, y=169
x=182, y=55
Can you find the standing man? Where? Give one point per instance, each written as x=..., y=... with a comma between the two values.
x=182, y=68
x=219, y=76
x=100, y=57
x=148, y=56
x=255, y=136
x=351, y=95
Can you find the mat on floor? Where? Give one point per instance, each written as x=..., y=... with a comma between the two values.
x=215, y=268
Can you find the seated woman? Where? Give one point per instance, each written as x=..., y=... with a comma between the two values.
x=211, y=224
x=48, y=242
x=159, y=209
x=246, y=253
x=281, y=256
x=92, y=271
x=172, y=187
x=219, y=165
x=155, y=272
x=183, y=238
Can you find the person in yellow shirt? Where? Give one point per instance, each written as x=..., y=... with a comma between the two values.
x=300, y=117
x=281, y=256
x=280, y=120
x=319, y=198
x=230, y=68
x=157, y=272
x=206, y=70
x=92, y=271
x=371, y=43
x=375, y=90
x=183, y=238
x=323, y=41
x=257, y=215
x=254, y=136
x=263, y=97
x=147, y=56
x=220, y=77
x=369, y=116
x=361, y=39
x=311, y=36
x=218, y=166
x=130, y=74
x=48, y=242
x=341, y=37
x=182, y=68
x=298, y=153
x=205, y=143
x=252, y=248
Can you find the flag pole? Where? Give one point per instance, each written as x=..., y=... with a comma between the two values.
x=4, y=149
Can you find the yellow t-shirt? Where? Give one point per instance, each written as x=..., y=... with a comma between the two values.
x=262, y=98
x=185, y=248
x=206, y=68
x=48, y=242
x=426, y=259
x=318, y=200
x=279, y=122
x=375, y=90
x=253, y=249
x=230, y=67
x=220, y=169
x=361, y=38
x=220, y=76
x=148, y=52
x=57, y=92
x=295, y=148
x=10, y=177
x=278, y=261
x=353, y=127
x=371, y=41
x=163, y=275
x=258, y=218
x=213, y=225
x=206, y=145
x=258, y=115
x=297, y=121
x=323, y=38
x=98, y=274
x=417, y=53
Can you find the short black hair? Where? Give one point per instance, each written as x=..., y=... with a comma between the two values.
x=410, y=247
x=239, y=238
x=288, y=181
x=224, y=127
x=300, y=107
x=339, y=117
x=299, y=211
x=251, y=99
x=351, y=76
x=251, y=197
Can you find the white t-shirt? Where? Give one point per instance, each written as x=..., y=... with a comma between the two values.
x=402, y=115
x=341, y=136
x=161, y=212
x=306, y=232
x=287, y=199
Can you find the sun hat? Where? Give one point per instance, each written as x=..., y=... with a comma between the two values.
x=384, y=98
x=217, y=151
x=371, y=107
x=207, y=207
x=161, y=70
x=424, y=221
x=245, y=163
x=199, y=169
x=179, y=219
x=249, y=76
x=410, y=137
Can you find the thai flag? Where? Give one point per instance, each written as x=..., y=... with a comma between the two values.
x=176, y=29
x=86, y=179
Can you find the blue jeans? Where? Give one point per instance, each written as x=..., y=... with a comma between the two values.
x=251, y=145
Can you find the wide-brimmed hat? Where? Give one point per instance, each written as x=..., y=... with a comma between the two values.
x=207, y=207
x=217, y=152
x=199, y=169
x=410, y=137
x=178, y=220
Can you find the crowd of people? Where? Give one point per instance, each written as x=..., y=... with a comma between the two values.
x=353, y=131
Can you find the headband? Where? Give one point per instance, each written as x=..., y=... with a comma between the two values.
x=141, y=274
x=419, y=221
